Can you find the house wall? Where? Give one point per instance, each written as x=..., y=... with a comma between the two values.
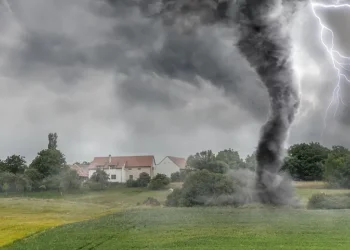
x=167, y=167
x=135, y=172
x=110, y=172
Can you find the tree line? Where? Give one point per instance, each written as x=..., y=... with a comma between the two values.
x=304, y=162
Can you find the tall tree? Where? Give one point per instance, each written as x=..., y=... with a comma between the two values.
x=52, y=141
x=48, y=162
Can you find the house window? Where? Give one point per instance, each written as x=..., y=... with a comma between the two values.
x=131, y=177
x=129, y=168
x=139, y=168
x=113, y=176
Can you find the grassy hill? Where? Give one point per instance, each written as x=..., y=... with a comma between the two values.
x=201, y=228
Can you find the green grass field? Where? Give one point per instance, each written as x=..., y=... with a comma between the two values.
x=201, y=228
x=127, y=227
x=24, y=215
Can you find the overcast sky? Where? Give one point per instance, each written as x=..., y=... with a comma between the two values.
x=110, y=81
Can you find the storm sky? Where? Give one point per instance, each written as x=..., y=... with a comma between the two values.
x=110, y=80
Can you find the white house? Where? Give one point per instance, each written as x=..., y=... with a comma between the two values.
x=170, y=165
x=122, y=168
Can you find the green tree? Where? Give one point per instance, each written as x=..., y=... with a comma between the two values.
x=230, y=157
x=195, y=161
x=52, y=141
x=306, y=161
x=15, y=164
x=175, y=177
x=219, y=167
x=250, y=162
x=49, y=162
x=337, y=167
x=34, y=177
x=98, y=180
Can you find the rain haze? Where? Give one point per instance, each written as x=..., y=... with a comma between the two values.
x=109, y=80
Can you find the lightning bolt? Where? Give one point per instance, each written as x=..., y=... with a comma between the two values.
x=340, y=62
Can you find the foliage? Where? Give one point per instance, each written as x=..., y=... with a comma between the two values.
x=143, y=179
x=66, y=180
x=219, y=167
x=175, y=177
x=204, y=188
x=337, y=167
x=159, y=181
x=306, y=161
x=10, y=182
x=52, y=141
x=197, y=160
x=329, y=201
x=98, y=180
x=34, y=177
x=231, y=158
x=250, y=162
x=48, y=162
x=15, y=164
x=132, y=183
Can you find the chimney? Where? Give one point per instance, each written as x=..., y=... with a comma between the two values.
x=110, y=159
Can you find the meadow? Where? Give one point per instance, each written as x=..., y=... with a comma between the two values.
x=112, y=220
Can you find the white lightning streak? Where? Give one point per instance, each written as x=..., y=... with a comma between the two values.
x=339, y=61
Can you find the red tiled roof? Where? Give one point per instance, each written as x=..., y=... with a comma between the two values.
x=82, y=170
x=180, y=162
x=119, y=161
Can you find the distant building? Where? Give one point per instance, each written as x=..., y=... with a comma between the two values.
x=170, y=164
x=82, y=170
x=122, y=168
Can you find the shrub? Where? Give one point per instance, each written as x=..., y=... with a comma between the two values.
x=175, y=177
x=150, y=201
x=132, y=183
x=324, y=201
x=10, y=182
x=174, y=198
x=159, y=182
x=96, y=186
x=98, y=180
x=143, y=180
x=204, y=188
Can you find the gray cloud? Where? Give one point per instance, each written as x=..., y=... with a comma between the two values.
x=110, y=80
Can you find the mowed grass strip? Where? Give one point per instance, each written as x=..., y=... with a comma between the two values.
x=201, y=228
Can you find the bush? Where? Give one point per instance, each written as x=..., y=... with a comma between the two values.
x=66, y=180
x=132, y=183
x=98, y=180
x=150, y=201
x=143, y=180
x=10, y=182
x=174, y=199
x=324, y=201
x=175, y=177
x=95, y=186
x=159, y=182
x=204, y=188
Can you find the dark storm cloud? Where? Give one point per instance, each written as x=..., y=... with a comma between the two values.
x=110, y=79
